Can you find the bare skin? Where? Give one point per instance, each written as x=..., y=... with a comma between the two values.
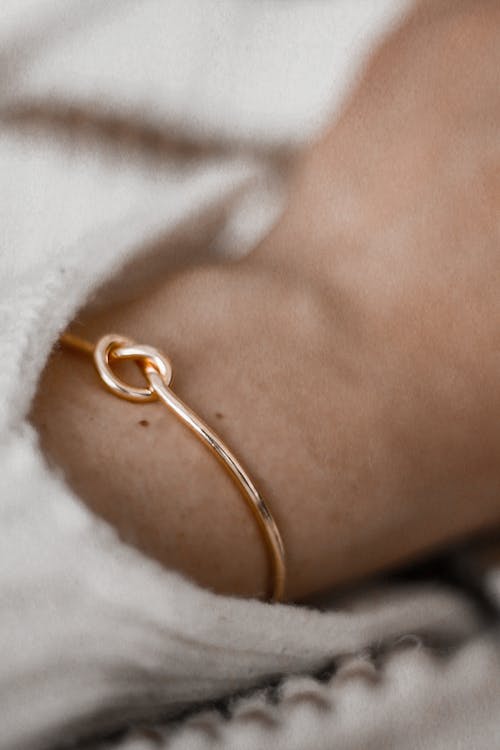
x=352, y=361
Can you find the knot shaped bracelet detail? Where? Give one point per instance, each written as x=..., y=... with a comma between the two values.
x=157, y=371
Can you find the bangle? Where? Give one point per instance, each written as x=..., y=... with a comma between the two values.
x=157, y=370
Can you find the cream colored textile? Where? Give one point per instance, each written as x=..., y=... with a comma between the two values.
x=150, y=131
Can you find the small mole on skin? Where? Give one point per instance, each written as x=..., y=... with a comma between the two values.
x=219, y=415
x=144, y=423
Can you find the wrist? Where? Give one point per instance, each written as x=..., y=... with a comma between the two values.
x=136, y=465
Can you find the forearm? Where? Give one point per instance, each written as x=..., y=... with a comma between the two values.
x=300, y=397
x=240, y=341
x=349, y=362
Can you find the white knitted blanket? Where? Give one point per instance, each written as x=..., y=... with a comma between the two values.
x=127, y=126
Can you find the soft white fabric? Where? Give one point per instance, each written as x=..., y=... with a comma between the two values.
x=92, y=634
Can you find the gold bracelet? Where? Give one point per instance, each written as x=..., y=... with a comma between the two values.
x=157, y=370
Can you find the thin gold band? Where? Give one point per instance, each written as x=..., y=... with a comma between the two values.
x=157, y=370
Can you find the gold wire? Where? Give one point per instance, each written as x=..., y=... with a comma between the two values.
x=158, y=372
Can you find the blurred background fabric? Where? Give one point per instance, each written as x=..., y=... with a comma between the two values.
x=134, y=137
